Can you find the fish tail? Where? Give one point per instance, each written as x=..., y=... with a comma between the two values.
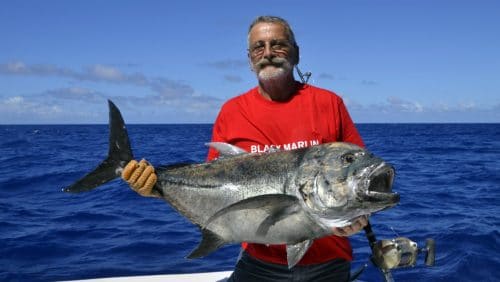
x=119, y=154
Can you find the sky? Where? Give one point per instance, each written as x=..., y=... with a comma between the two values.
x=178, y=61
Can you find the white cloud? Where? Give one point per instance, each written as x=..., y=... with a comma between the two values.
x=227, y=64
x=96, y=73
x=167, y=100
x=397, y=109
x=369, y=82
x=326, y=76
x=16, y=100
x=80, y=94
x=15, y=67
x=467, y=106
x=233, y=78
x=105, y=73
x=396, y=103
x=17, y=109
x=162, y=100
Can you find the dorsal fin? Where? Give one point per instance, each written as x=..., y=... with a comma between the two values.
x=226, y=149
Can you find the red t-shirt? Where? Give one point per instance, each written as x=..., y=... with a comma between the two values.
x=312, y=116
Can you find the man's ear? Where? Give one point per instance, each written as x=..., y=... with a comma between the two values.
x=250, y=61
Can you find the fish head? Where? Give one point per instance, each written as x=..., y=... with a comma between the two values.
x=339, y=182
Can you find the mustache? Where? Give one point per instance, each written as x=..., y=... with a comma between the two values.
x=276, y=61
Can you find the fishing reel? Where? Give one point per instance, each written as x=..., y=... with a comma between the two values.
x=401, y=252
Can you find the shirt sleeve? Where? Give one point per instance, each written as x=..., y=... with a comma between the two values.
x=349, y=132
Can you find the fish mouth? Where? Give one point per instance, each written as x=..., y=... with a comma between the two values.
x=380, y=185
x=381, y=179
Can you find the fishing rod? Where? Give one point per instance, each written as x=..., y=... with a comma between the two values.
x=395, y=253
x=304, y=77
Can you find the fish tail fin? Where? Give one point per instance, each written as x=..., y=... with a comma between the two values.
x=119, y=154
x=210, y=242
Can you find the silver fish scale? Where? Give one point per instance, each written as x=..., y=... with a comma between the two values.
x=198, y=191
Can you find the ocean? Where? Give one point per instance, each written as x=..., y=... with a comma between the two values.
x=448, y=176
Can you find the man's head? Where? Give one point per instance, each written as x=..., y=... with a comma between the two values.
x=272, y=48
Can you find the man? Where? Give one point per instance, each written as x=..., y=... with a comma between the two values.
x=280, y=113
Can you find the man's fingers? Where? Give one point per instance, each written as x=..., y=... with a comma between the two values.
x=141, y=177
x=151, y=181
x=137, y=173
x=360, y=222
x=129, y=169
x=144, y=176
x=340, y=231
x=147, y=188
x=363, y=221
x=355, y=227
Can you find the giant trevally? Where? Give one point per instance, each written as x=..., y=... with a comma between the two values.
x=280, y=197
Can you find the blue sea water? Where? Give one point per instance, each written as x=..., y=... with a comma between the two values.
x=448, y=176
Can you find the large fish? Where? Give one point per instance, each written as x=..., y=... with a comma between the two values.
x=282, y=197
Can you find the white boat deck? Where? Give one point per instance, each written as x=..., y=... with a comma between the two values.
x=220, y=276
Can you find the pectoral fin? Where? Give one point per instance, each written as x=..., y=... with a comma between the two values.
x=278, y=213
x=271, y=209
x=294, y=253
x=266, y=210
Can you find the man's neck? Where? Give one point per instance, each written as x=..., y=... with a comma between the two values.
x=280, y=89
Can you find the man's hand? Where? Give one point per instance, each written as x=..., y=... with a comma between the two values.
x=354, y=228
x=141, y=177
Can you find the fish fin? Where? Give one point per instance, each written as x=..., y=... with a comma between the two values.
x=119, y=154
x=226, y=149
x=356, y=273
x=294, y=253
x=276, y=207
x=278, y=213
x=209, y=243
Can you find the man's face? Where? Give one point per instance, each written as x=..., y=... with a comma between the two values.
x=270, y=51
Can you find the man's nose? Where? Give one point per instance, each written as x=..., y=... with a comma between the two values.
x=268, y=51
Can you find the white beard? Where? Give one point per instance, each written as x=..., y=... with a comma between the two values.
x=271, y=72
x=274, y=73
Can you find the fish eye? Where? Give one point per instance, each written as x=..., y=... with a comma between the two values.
x=348, y=158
